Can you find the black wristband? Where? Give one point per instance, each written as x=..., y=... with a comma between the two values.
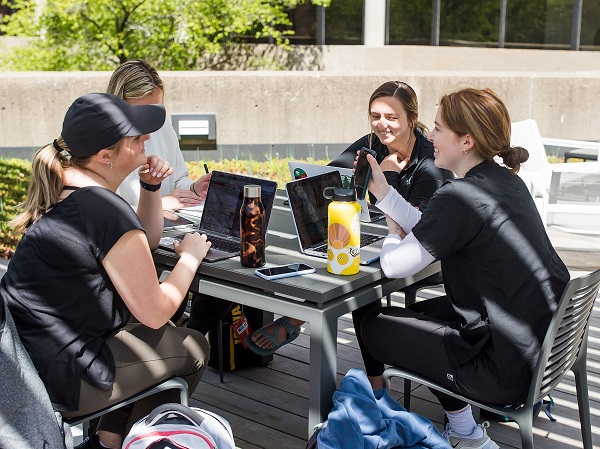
x=150, y=187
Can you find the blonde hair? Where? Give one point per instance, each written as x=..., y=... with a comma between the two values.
x=133, y=80
x=47, y=181
x=482, y=114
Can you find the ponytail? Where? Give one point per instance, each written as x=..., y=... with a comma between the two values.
x=513, y=157
x=47, y=182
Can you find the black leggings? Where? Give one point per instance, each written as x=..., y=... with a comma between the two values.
x=418, y=337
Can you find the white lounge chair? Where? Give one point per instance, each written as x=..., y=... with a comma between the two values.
x=547, y=182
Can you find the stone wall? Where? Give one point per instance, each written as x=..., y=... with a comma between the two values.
x=329, y=106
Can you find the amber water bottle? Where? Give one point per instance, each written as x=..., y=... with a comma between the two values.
x=252, y=230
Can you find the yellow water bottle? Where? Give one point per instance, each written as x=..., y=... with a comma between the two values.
x=343, y=231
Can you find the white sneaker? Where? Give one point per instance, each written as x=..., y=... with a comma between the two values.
x=459, y=441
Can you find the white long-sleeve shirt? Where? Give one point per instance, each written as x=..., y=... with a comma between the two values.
x=402, y=257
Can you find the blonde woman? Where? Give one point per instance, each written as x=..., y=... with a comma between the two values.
x=84, y=268
x=138, y=83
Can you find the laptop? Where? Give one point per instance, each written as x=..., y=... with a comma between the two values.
x=221, y=215
x=309, y=213
x=299, y=170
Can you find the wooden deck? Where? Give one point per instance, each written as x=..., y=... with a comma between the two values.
x=268, y=407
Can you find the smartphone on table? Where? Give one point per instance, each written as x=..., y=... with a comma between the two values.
x=284, y=271
x=362, y=173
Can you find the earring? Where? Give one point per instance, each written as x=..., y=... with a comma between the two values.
x=464, y=151
x=110, y=165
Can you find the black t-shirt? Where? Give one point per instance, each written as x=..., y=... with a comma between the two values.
x=500, y=270
x=419, y=179
x=62, y=300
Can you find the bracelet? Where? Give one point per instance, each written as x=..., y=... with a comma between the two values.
x=193, y=189
x=150, y=187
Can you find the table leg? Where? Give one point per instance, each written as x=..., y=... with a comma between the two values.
x=322, y=370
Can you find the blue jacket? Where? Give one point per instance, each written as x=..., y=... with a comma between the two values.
x=363, y=418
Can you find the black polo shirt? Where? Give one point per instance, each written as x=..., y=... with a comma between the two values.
x=500, y=270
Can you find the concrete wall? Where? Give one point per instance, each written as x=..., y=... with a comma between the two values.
x=327, y=106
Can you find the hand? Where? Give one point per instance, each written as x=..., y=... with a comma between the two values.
x=201, y=186
x=377, y=184
x=394, y=228
x=179, y=198
x=194, y=244
x=391, y=163
x=155, y=170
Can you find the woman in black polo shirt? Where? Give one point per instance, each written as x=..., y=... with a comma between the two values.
x=406, y=158
x=400, y=141
x=502, y=276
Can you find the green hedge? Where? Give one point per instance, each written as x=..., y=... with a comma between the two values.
x=15, y=174
x=14, y=179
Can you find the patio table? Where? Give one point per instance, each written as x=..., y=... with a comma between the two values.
x=319, y=298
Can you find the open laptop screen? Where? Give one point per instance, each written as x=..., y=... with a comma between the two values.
x=309, y=206
x=224, y=199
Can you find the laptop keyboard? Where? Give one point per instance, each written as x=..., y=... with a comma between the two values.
x=365, y=240
x=224, y=244
x=219, y=243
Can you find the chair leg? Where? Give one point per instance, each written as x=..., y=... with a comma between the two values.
x=184, y=398
x=85, y=429
x=583, y=403
x=389, y=300
x=407, y=385
x=220, y=348
x=410, y=297
x=525, y=421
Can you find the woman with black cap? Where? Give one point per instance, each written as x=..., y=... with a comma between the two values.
x=84, y=267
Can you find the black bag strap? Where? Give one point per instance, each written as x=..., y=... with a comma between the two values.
x=178, y=409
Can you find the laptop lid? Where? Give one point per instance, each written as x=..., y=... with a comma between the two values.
x=221, y=214
x=299, y=170
x=310, y=217
x=309, y=207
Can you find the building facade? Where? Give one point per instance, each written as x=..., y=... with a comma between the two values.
x=530, y=24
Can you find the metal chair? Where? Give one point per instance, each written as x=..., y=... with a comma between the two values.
x=543, y=179
x=174, y=383
x=564, y=348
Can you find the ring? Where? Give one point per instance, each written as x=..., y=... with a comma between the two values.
x=182, y=200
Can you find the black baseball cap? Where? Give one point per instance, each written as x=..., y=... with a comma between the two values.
x=99, y=120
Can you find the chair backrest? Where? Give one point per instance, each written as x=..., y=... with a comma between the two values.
x=26, y=415
x=526, y=134
x=566, y=338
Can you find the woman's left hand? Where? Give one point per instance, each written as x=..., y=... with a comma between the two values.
x=394, y=228
x=201, y=186
x=179, y=198
x=155, y=170
x=392, y=163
